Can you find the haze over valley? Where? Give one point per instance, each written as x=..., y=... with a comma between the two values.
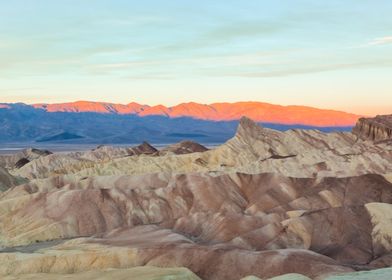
x=105, y=123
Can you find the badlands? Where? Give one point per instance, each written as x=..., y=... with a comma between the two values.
x=299, y=204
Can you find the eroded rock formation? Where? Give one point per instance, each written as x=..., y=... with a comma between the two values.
x=375, y=129
x=24, y=156
x=295, y=153
x=7, y=180
x=184, y=147
x=266, y=203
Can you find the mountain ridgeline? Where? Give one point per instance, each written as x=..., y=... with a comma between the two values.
x=96, y=122
x=265, y=203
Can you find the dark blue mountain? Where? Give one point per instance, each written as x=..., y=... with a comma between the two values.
x=23, y=123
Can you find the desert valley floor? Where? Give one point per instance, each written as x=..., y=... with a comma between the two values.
x=266, y=204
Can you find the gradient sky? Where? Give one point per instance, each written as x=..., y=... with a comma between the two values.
x=328, y=54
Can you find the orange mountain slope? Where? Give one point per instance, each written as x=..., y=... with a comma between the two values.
x=258, y=111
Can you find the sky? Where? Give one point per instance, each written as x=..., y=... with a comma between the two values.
x=328, y=54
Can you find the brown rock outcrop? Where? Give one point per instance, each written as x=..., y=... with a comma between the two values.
x=7, y=180
x=184, y=147
x=22, y=162
x=10, y=161
x=107, y=153
x=375, y=129
x=144, y=148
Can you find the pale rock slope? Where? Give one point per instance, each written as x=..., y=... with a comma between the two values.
x=379, y=274
x=152, y=246
x=266, y=203
x=295, y=153
x=139, y=273
x=107, y=153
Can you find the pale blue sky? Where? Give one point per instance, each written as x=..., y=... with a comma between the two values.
x=330, y=54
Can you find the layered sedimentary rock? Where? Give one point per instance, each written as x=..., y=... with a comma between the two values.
x=107, y=153
x=184, y=147
x=7, y=180
x=266, y=203
x=375, y=129
x=295, y=153
x=208, y=262
x=253, y=212
x=21, y=158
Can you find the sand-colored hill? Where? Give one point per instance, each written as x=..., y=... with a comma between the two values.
x=266, y=203
x=295, y=153
x=251, y=212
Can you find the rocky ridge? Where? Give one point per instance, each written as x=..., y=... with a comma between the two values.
x=299, y=201
x=184, y=147
x=254, y=149
x=374, y=129
x=21, y=158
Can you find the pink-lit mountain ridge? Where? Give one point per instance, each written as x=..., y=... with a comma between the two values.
x=258, y=111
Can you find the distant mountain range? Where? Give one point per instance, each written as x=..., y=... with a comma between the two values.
x=98, y=122
x=258, y=111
